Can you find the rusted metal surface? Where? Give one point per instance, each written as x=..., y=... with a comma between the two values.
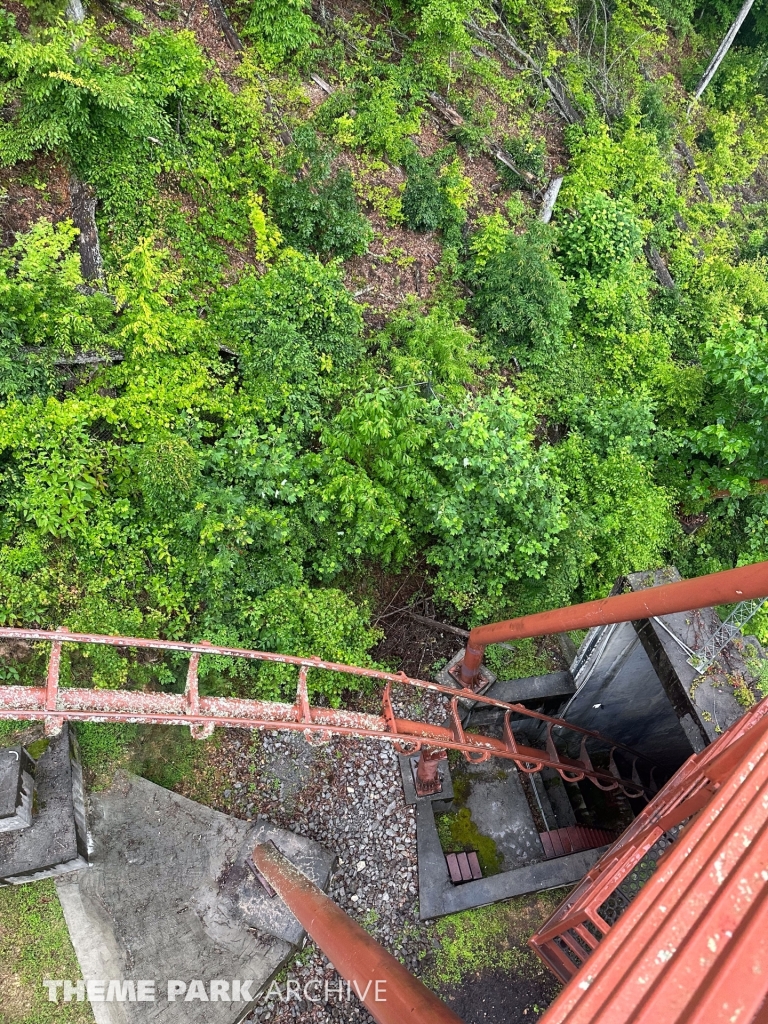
x=692, y=945
x=54, y=704
x=427, y=779
x=729, y=587
x=389, y=992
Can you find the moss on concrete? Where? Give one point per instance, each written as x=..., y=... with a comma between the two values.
x=528, y=659
x=458, y=833
x=474, y=940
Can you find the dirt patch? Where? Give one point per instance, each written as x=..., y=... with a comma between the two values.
x=20, y=12
x=15, y=650
x=495, y=997
x=407, y=645
x=35, y=189
x=398, y=263
x=414, y=647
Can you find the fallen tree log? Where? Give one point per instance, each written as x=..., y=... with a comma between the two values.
x=226, y=26
x=549, y=200
x=79, y=358
x=658, y=266
x=455, y=119
x=721, y=51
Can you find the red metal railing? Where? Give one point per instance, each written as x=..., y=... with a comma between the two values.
x=729, y=587
x=691, y=943
x=55, y=704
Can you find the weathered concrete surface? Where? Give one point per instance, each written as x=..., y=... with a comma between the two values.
x=437, y=896
x=445, y=678
x=500, y=810
x=620, y=696
x=553, y=684
x=168, y=897
x=16, y=789
x=56, y=842
x=557, y=808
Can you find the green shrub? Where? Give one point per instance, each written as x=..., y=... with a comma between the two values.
x=314, y=206
x=521, y=303
x=44, y=311
x=656, y=117
x=601, y=239
x=430, y=199
x=385, y=117
x=308, y=298
x=279, y=28
x=424, y=204
x=45, y=11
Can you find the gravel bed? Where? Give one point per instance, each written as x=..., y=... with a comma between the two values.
x=347, y=794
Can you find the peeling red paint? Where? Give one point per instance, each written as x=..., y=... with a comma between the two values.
x=692, y=945
x=54, y=705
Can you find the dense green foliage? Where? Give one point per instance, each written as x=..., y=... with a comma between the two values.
x=222, y=441
x=522, y=304
x=314, y=207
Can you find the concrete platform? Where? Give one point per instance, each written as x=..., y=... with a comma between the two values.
x=500, y=810
x=533, y=688
x=57, y=840
x=438, y=896
x=169, y=897
x=16, y=789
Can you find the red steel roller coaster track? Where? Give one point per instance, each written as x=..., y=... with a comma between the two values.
x=54, y=704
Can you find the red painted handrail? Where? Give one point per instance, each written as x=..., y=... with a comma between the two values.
x=729, y=587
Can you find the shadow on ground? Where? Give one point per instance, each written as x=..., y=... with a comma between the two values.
x=496, y=997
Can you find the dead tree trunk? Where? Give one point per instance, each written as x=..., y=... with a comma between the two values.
x=508, y=48
x=75, y=12
x=687, y=155
x=549, y=200
x=226, y=26
x=83, y=204
x=658, y=266
x=722, y=49
x=82, y=199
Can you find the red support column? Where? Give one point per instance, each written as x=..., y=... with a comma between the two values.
x=428, y=780
x=388, y=991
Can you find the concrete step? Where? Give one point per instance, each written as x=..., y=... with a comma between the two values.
x=553, y=684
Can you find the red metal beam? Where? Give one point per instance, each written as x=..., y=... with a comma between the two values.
x=729, y=587
x=389, y=992
x=692, y=946
x=55, y=704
